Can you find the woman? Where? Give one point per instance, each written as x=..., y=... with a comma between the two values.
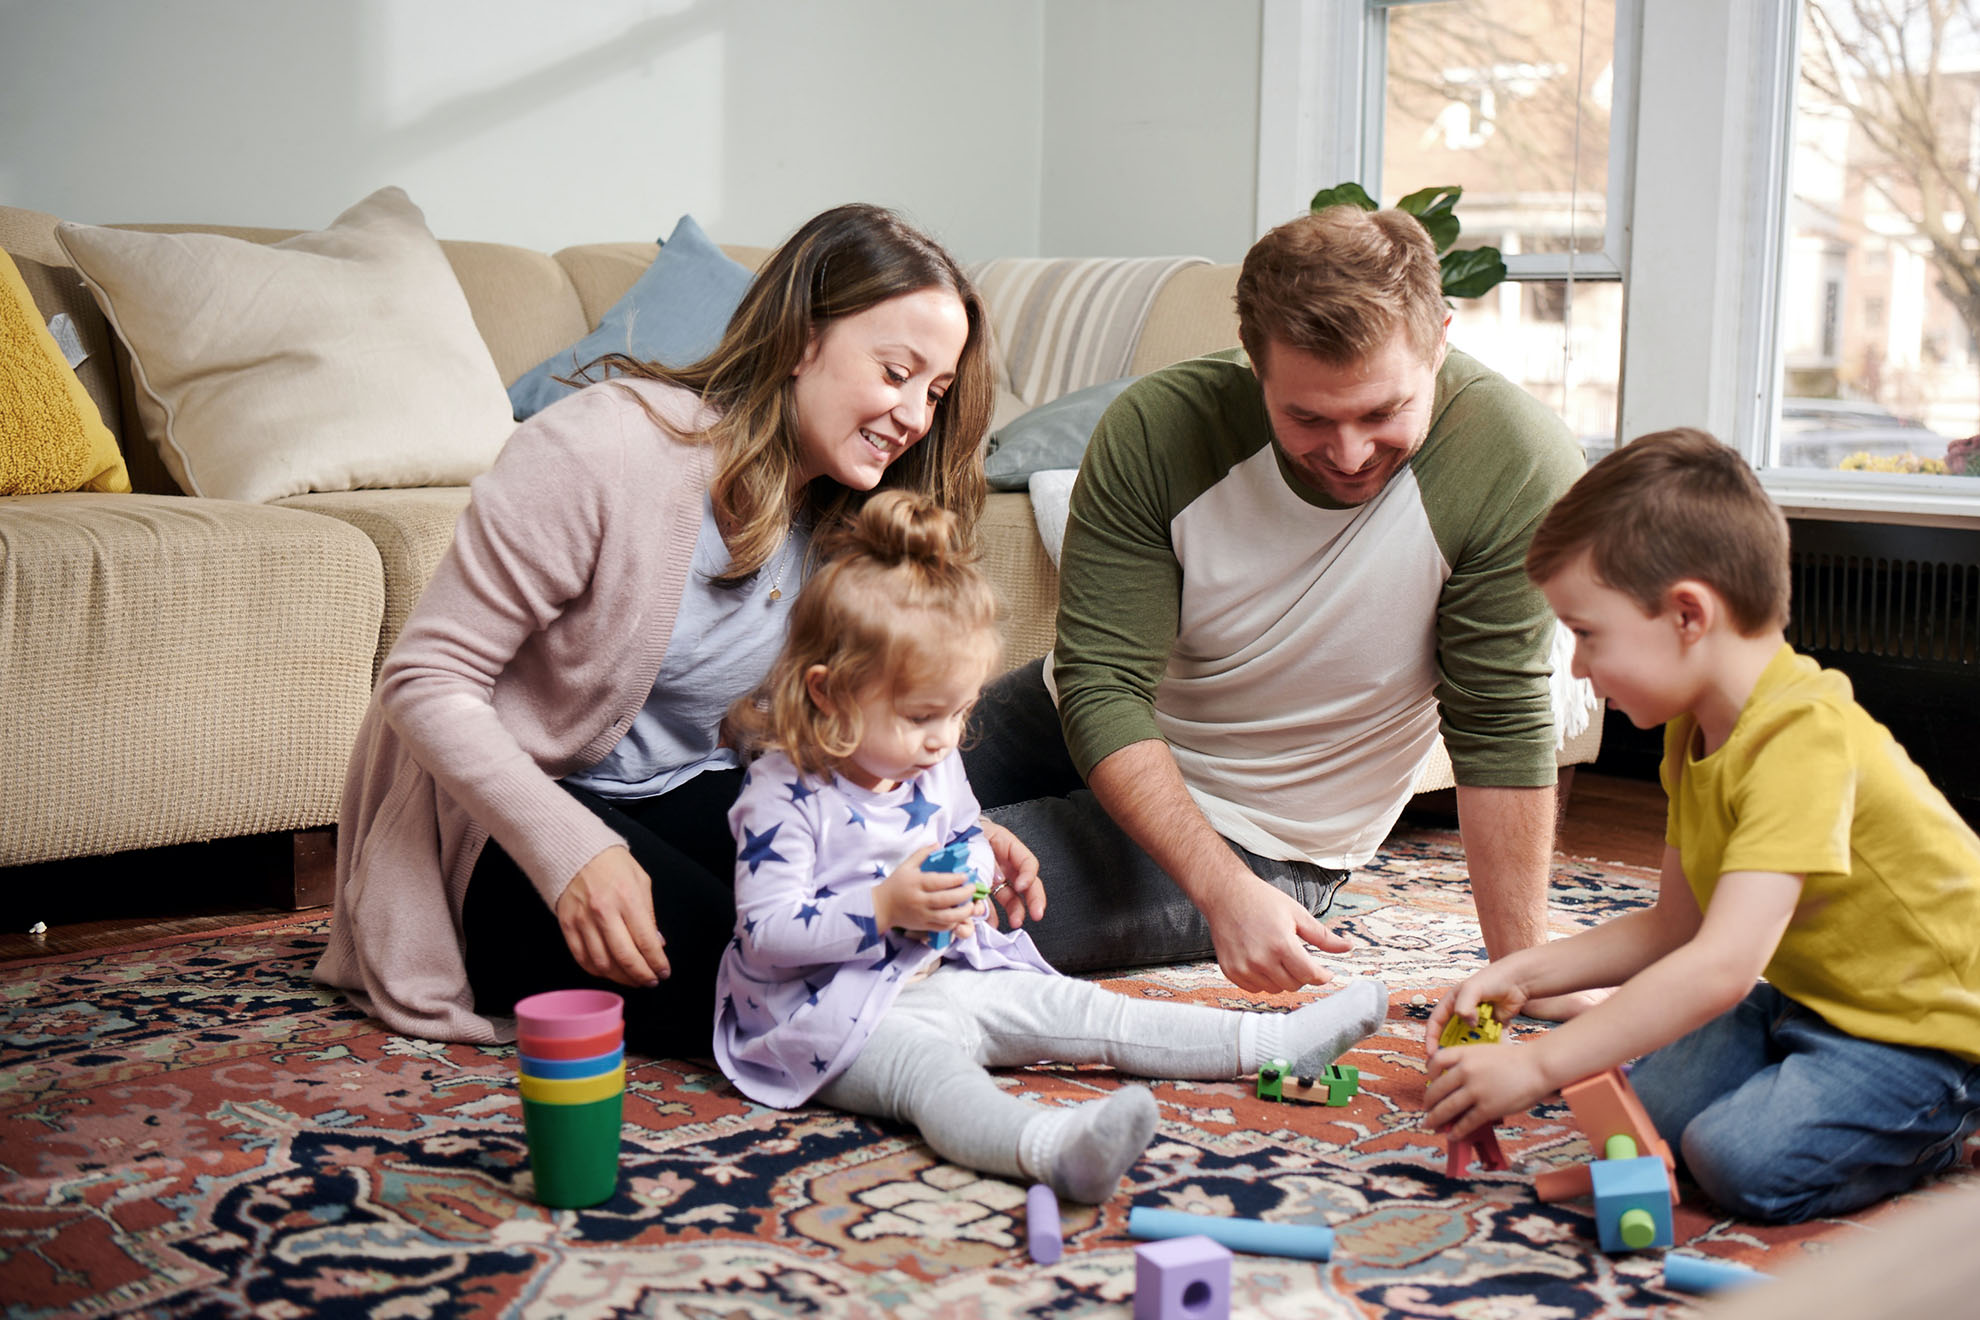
x=537, y=798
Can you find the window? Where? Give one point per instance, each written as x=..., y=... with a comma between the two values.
x=1517, y=102
x=1881, y=244
x=1779, y=263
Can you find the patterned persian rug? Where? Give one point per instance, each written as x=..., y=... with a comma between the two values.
x=194, y=1129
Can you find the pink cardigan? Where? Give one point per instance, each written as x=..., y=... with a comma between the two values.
x=526, y=658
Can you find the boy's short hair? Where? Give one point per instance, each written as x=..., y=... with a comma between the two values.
x=1668, y=506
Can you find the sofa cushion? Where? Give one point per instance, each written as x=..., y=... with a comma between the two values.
x=329, y=360
x=1051, y=436
x=674, y=313
x=175, y=670
x=410, y=528
x=52, y=437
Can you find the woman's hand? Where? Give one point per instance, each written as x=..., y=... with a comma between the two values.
x=606, y=914
x=923, y=901
x=1017, y=886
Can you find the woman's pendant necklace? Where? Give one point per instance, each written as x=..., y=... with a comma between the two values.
x=783, y=561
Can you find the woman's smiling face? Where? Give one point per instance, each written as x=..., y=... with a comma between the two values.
x=868, y=384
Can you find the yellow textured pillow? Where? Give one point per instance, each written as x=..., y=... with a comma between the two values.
x=51, y=436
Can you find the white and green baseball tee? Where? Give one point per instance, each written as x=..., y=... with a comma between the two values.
x=1298, y=656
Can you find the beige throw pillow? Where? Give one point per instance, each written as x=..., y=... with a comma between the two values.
x=334, y=360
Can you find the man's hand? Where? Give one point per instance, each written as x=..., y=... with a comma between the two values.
x=1261, y=933
x=606, y=914
x=1472, y=1085
x=1017, y=886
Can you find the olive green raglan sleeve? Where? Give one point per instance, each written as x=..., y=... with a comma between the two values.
x=1158, y=446
x=1496, y=462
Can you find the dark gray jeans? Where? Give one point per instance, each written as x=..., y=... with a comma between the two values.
x=1109, y=905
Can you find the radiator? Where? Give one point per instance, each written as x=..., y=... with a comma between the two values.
x=1898, y=610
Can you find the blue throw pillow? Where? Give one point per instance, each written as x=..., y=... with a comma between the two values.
x=1052, y=435
x=674, y=313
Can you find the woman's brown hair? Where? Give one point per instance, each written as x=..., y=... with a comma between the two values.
x=837, y=264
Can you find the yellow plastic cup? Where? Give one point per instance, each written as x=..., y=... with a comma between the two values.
x=574, y=1090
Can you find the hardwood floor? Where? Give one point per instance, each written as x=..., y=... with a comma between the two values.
x=1607, y=819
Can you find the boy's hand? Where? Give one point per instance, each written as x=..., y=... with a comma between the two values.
x=1472, y=1085
x=919, y=900
x=1506, y=996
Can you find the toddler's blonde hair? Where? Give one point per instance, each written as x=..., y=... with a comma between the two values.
x=897, y=593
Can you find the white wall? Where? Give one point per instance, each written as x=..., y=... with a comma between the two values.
x=545, y=124
x=1151, y=128
x=523, y=121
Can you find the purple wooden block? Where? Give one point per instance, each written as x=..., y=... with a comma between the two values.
x=1185, y=1278
x=1041, y=1224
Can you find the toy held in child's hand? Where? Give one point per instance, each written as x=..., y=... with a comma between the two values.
x=1482, y=1143
x=954, y=857
x=1487, y=1031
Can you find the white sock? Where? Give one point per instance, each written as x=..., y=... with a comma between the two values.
x=1082, y=1152
x=1313, y=1036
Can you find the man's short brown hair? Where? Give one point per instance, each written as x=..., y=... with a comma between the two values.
x=1665, y=507
x=1339, y=283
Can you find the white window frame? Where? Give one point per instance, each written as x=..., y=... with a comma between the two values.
x=1323, y=70
x=1698, y=188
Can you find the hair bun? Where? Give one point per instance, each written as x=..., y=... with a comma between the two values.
x=900, y=525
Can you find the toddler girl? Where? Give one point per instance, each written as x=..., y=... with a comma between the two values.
x=833, y=986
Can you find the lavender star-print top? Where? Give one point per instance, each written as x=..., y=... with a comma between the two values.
x=809, y=972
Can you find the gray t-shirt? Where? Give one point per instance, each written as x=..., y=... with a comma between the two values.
x=724, y=641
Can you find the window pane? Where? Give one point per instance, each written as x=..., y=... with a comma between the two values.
x=1482, y=94
x=1520, y=331
x=1880, y=285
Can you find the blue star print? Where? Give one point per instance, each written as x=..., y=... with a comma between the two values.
x=869, y=931
x=854, y=818
x=920, y=809
x=799, y=790
x=756, y=849
x=819, y=1064
x=807, y=912
x=960, y=835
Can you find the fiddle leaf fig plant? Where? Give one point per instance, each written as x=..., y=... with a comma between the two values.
x=1467, y=273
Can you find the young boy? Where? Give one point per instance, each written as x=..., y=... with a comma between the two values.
x=1801, y=844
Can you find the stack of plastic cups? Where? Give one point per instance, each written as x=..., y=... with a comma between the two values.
x=571, y=1062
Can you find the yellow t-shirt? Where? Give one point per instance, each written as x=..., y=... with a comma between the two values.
x=1885, y=943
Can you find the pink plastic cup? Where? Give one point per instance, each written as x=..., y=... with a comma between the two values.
x=563, y=1014
x=570, y=1047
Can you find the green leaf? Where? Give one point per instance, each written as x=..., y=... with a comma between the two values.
x=1443, y=230
x=1352, y=193
x=1426, y=202
x=1469, y=273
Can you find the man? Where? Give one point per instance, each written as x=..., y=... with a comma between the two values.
x=1285, y=571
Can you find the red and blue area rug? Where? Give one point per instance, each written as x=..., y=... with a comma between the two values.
x=194, y=1129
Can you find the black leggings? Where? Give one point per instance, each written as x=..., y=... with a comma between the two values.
x=514, y=947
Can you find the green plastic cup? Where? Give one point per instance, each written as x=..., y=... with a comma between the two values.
x=574, y=1150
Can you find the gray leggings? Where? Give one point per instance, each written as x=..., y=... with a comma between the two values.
x=926, y=1062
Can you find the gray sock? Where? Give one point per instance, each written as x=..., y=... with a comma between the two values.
x=1311, y=1037
x=1083, y=1152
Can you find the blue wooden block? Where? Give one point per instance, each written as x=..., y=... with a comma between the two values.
x=1183, y=1278
x=1632, y=1203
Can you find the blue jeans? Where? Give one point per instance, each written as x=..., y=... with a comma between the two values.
x=1780, y=1117
x=1108, y=904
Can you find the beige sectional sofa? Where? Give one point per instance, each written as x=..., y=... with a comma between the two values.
x=176, y=668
